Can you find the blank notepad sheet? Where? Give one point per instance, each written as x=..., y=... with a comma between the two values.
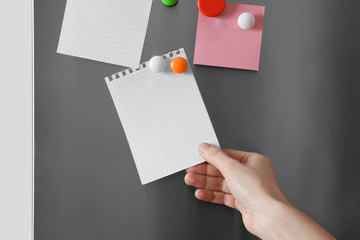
x=111, y=31
x=163, y=116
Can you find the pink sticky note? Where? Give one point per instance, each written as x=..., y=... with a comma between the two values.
x=221, y=42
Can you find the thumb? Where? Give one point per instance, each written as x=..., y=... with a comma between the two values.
x=218, y=158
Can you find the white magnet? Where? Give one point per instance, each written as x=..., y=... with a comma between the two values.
x=157, y=64
x=246, y=20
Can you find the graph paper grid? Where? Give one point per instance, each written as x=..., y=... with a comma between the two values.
x=164, y=118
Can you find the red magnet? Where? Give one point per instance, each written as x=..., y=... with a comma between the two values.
x=211, y=8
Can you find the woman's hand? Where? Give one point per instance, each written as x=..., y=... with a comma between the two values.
x=246, y=181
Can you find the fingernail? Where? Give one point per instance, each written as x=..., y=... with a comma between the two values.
x=204, y=147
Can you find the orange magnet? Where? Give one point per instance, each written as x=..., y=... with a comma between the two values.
x=179, y=65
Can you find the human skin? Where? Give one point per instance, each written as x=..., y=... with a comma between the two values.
x=246, y=181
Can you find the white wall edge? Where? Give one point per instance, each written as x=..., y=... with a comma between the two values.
x=16, y=120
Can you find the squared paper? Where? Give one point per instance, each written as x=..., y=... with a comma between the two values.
x=111, y=31
x=163, y=116
x=221, y=42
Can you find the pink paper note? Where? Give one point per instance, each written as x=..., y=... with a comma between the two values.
x=221, y=42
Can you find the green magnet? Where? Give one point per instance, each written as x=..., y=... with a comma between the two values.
x=169, y=3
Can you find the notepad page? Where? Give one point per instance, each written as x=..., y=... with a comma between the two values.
x=163, y=116
x=111, y=31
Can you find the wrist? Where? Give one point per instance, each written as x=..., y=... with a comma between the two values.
x=270, y=217
x=281, y=220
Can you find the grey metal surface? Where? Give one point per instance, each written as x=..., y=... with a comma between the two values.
x=301, y=109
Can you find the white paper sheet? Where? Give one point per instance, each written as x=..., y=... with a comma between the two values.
x=111, y=31
x=163, y=116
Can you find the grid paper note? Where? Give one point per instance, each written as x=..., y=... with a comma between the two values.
x=111, y=31
x=163, y=116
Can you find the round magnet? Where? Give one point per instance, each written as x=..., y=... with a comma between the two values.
x=246, y=20
x=157, y=64
x=211, y=8
x=179, y=65
x=169, y=3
